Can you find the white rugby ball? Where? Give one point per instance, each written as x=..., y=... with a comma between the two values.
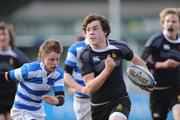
x=140, y=76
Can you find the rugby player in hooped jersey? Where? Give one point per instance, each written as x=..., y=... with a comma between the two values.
x=73, y=78
x=162, y=53
x=101, y=68
x=36, y=79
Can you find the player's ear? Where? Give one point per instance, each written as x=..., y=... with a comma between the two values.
x=42, y=58
x=105, y=33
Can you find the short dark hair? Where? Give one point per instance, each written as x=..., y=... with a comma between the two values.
x=103, y=21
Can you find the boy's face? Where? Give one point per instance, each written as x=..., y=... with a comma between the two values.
x=4, y=38
x=171, y=25
x=95, y=33
x=51, y=61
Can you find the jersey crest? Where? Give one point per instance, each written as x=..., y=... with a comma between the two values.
x=166, y=47
x=96, y=59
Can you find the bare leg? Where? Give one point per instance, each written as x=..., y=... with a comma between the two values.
x=8, y=117
x=176, y=112
x=2, y=117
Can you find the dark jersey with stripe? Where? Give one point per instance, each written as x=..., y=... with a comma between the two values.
x=9, y=60
x=94, y=61
x=7, y=63
x=159, y=49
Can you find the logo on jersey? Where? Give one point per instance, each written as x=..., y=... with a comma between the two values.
x=166, y=47
x=119, y=107
x=113, y=55
x=96, y=59
x=11, y=61
x=178, y=97
x=156, y=115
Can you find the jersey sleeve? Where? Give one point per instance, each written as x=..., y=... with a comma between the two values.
x=21, y=56
x=84, y=62
x=71, y=60
x=150, y=51
x=19, y=74
x=71, y=57
x=127, y=53
x=59, y=83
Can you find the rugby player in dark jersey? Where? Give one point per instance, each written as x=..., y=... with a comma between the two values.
x=101, y=67
x=162, y=53
x=10, y=58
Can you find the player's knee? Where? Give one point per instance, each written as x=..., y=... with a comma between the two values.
x=2, y=117
x=117, y=116
x=176, y=111
x=159, y=116
x=176, y=107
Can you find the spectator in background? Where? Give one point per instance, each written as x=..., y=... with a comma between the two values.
x=10, y=58
x=101, y=68
x=36, y=79
x=73, y=79
x=162, y=55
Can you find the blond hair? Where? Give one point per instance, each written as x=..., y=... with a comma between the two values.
x=178, y=12
x=50, y=45
x=166, y=12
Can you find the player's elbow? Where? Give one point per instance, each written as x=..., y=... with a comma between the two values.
x=91, y=89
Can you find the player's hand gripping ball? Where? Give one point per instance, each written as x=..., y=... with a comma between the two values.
x=140, y=76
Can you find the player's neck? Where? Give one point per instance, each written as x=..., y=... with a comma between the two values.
x=100, y=45
x=4, y=48
x=48, y=73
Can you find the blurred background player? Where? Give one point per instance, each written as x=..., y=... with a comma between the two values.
x=36, y=79
x=10, y=58
x=73, y=79
x=162, y=53
x=101, y=68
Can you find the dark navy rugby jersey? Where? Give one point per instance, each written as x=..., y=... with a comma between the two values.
x=158, y=49
x=10, y=59
x=94, y=61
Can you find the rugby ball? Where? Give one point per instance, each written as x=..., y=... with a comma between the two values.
x=140, y=76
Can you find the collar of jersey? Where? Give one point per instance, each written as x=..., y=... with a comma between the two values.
x=8, y=52
x=170, y=40
x=108, y=47
x=42, y=66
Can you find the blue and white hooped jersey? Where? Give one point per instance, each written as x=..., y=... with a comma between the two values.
x=34, y=84
x=71, y=60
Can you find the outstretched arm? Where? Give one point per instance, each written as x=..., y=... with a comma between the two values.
x=73, y=84
x=138, y=61
x=169, y=63
x=70, y=81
